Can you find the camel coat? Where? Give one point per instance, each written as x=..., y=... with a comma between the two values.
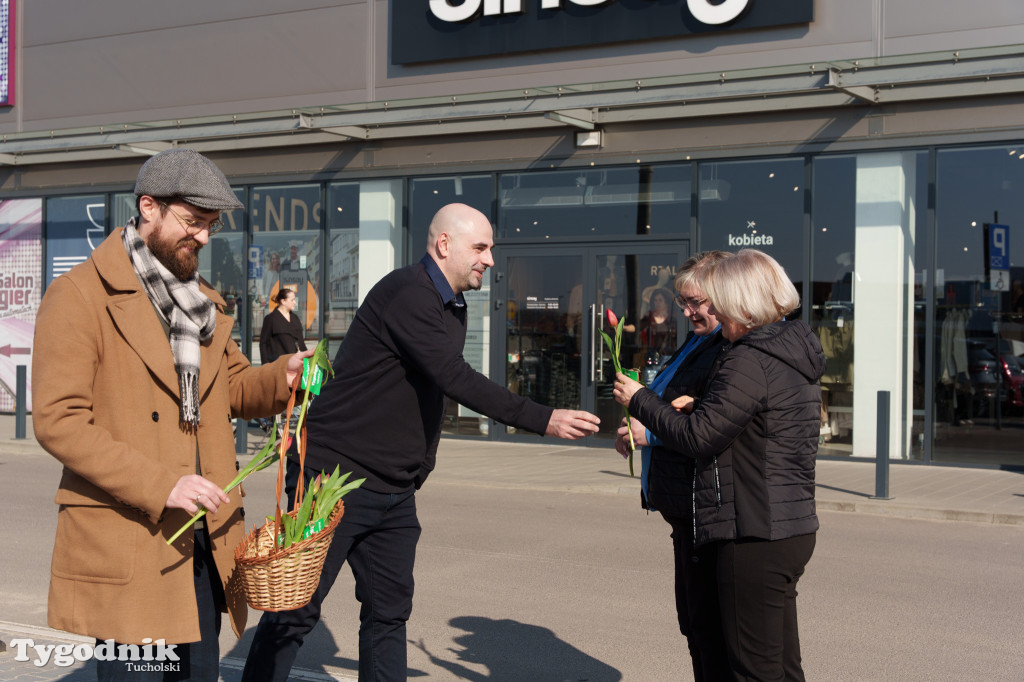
x=105, y=403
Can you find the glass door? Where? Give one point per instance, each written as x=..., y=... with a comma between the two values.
x=551, y=303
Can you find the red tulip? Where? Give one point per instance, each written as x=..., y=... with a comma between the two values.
x=612, y=319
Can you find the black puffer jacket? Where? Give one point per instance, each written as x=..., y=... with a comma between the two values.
x=670, y=481
x=754, y=435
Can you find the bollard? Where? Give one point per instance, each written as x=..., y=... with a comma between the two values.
x=241, y=427
x=20, y=397
x=882, y=449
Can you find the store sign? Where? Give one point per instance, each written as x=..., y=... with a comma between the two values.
x=6, y=52
x=741, y=241
x=21, y=270
x=431, y=30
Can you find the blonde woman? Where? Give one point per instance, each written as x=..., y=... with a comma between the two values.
x=754, y=434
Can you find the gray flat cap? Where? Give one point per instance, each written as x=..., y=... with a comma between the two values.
x=187, y=174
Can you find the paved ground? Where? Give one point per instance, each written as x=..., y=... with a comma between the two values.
x=985, y=496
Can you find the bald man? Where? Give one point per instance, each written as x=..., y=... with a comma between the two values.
x=380, y=417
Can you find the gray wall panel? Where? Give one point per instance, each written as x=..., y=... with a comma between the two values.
x=301, y=58
x=944, y=17
x=101, y=18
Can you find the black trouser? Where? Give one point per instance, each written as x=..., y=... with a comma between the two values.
x=697, y=602
x=377, y=536
x=199, y=661
x=757, y=589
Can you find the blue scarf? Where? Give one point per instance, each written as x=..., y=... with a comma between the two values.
x=658, y=386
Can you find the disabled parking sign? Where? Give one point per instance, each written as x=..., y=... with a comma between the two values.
x=998, y=249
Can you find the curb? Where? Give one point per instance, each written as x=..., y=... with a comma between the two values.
x=909, y=512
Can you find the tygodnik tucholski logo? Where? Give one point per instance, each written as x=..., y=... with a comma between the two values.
x=150, y=656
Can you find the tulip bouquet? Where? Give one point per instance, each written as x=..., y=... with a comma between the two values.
x=615, y=347
x=276, y=447
x=318, y=504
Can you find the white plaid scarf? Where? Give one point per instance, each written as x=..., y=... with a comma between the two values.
x=190, y=315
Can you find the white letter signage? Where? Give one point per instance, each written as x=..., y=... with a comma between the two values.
x=456, y=29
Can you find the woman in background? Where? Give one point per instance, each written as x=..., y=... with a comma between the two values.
x=282, y=332
x=658, y=326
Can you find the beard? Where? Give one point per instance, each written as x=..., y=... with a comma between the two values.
x=181, y=263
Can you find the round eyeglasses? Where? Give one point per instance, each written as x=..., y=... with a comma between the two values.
x=690, y=304
x=192, y=226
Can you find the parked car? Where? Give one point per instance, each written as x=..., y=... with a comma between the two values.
x=982, y=367
x=1009, y=367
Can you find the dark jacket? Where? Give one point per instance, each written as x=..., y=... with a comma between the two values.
x=670, y=488
x=754, y=435
x=279, y=336
x=380, y=415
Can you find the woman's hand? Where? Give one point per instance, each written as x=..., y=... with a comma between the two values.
x=684, y=404
x=622, y=436
x=624, y=389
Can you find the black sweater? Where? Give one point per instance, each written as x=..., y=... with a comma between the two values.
x=754, y=435
x=380, y=415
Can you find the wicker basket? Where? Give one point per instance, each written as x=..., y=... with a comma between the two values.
x=285, y=580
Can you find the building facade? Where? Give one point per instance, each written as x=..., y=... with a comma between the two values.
x=876, y=149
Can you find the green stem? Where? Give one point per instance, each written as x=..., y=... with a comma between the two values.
x=262, y=460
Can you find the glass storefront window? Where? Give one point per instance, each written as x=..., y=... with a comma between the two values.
x=342, y=257
x=979, y=314
x=867, y=248
x=859, y=218
x=607, y=202
x=75, y=226
x=287, y=241
x=122, y=209
x=833, y=248
x=758, y=205
x=224, y=264
x=428, y=195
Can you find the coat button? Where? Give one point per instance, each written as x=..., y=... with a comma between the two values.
x=156, y=416
x=243, y=512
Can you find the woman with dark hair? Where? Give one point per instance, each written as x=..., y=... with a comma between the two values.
x=282, y=332
x=658, y=327
x=667, y=477
x=754, y=435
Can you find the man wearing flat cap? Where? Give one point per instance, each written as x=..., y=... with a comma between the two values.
x=136, y=382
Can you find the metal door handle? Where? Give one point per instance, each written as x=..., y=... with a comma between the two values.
x=593, y=334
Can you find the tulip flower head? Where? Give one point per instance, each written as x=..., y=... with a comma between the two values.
x=612, y=319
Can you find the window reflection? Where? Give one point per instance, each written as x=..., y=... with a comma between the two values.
x=756, y=204
x=287, y=242
x=639, y=200
x=979, y=326
x=342, y=257
x=833, y=244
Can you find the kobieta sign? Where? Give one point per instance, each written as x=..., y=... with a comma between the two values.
x=432, y=30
